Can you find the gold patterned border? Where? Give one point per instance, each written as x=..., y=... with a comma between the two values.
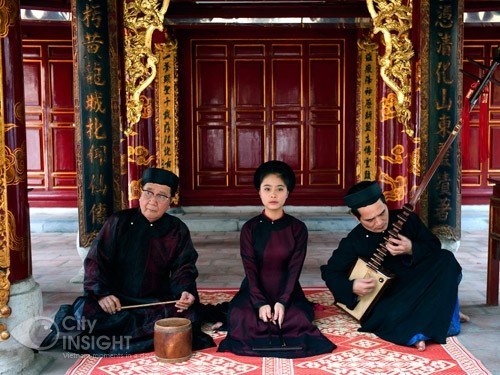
x=167, y=121
x=4, y=210
x=424, y=101
x=368, y=110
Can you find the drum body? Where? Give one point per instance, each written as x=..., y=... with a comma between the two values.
x=173, y=340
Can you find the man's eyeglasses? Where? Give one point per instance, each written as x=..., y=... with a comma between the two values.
x=160, y=198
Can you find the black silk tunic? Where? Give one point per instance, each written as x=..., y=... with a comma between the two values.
x=422, y=297
x=139, y=262
x=273, y=254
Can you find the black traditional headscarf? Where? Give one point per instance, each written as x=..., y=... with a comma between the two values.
x=363, y=194
x=275, y=167
x=162, y=177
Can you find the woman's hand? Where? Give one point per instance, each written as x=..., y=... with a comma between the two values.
x=185, y=302
x=279, y=314
x=110, y=304
x=265, y=313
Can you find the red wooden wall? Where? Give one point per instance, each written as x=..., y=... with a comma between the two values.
x=250, y=99
x=476, y=189
x=244, y=98
x=50, y=128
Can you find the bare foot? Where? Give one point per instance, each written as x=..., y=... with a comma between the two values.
x=464, y=318
x=420, y=345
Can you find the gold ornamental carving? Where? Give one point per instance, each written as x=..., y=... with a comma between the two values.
x=141, y=19
x=393, y=20
x=8, y=16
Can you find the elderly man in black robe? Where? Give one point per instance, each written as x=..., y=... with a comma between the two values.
x=421, y=302
x=141, y=256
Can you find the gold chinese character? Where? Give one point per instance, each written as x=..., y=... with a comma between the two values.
x=92, y=15
x=97, y=153
x=93, y=42
x=93, y=103
x=95, y=129
x=445, y=16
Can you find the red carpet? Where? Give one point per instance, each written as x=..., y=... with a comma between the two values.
x=357, y=353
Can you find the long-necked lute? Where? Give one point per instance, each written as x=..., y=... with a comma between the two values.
x=373, y=267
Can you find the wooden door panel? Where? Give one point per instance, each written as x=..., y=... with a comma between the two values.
x=248, y=83
x=48, y=83
x=287, y=82
x=211, y=93
x=475, y=186
x=495, y=155
x=61, y=75
x=249, y=109
x=282, y=98
x=470, y=162
x=249, y=147
x=32, y=71
x=211, y=111
x=325, y=102
x=62, y=136
x=288, y=143
x=35, y=161
x=324, y=84
x=325, y=165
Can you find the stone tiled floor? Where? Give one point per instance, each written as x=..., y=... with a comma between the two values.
x=56, y=262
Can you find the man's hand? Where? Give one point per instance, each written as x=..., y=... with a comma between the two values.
x=362, y=287
x=110, y=304
x=185, y=302
x=399, y=246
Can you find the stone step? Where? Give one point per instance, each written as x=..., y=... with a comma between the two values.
x=228, y=219
x=201, y=219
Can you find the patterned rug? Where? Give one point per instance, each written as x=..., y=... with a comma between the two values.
x=356, y=354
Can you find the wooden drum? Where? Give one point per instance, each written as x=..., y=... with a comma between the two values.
x=173, y=340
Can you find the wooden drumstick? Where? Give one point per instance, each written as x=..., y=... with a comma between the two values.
x=148, y=304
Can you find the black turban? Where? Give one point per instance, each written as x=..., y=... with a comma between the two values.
x=363, y=194
x=275, y=167
x=162, y=177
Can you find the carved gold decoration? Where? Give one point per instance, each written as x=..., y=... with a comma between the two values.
x=141, y=19
x=8, y=127
x=15, y=165
x=134, y=189
x=397, y=185
x=19, y=112
x=8, y=16
x=388, y=106
x=140, y=155
x=147, y=107
x=398, y=153
x=393, y=20
x=16, y=243
x=414, y=159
